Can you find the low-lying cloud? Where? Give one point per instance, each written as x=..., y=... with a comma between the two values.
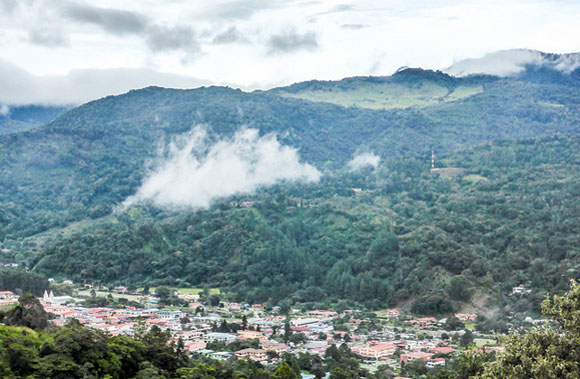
x=195, y=173
x=363, y=160
x=4, y=110
x=512, y=62
x=19, y=87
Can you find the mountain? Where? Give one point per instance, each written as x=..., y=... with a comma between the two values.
x=61, y=186
x=19, y=118
x=523, y=64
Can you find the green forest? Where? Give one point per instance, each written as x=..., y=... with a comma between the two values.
x=510, y=218
x=397, y=234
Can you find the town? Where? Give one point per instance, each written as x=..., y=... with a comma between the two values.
x=389, y=339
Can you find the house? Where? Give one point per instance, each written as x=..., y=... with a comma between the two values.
x=436, y=362
x=377, y=351
x=253, y=354
x=466, y=316
x=222, y=337
x=408, y=357
x=276, y=347
x=250, y=334
x=195, y=346
x=322, y=313
x=7, y=295
x=392, y=313
x=220, y=355
x=520, y=290
x=442, y=350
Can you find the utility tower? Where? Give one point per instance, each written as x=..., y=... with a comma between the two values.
x=432, y=159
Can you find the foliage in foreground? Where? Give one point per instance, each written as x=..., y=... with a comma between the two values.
x=549, y=352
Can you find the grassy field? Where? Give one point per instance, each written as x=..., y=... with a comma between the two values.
x=387, y=96
x=190, y=291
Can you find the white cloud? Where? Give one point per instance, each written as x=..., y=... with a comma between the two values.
x=20, y=87
x=4, y=110
x=195, y=174
x=511, y=62
x=362, y=160
x=181, y=37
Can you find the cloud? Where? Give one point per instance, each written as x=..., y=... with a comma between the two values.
x=114, y=21
x=231, y=35
x=352, y=26
x=8, y=6
x=290, y=41
x=362, y=160
x=237, y=9
x=512, y=62
x=162, y=38
x=121, y=23
x=19, y=87
x=4, y=110
x=195, y=174
x=47, y=36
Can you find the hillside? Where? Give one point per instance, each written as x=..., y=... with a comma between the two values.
x=94, y=156
x=406, y=88
x=21, y=118
x=407, y=234
x=510, y=218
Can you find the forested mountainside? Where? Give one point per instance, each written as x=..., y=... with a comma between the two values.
x=19, y=118
x=375, y=237
x=396, y=233
x=94, y=157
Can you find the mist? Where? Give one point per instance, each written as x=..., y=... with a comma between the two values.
x=512, y=62
x=195, y=173
x=362, y=160
x=4, y=110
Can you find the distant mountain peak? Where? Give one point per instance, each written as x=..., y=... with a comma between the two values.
x=514, y=62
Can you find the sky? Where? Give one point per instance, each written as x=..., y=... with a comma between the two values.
x=72, y=51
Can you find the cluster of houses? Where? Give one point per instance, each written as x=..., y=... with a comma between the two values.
x=399, y=340
x=7, y=298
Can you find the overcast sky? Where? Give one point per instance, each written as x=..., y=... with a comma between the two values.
x=59, y=51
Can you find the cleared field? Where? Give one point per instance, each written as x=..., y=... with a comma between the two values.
x=387, y=96
x=190, y=291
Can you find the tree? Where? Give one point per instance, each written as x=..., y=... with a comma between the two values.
x=214, y=300
x=285, y=372
x=459, y=288
x=453, y=323
x=163, y=293
x=467, y=338
x=287, y=330
x=29, y=312
x=553, y=352
x=297, y=338
x=244, y=322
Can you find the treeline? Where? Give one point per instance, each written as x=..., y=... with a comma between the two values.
x=512, y=217
x=20, y=281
